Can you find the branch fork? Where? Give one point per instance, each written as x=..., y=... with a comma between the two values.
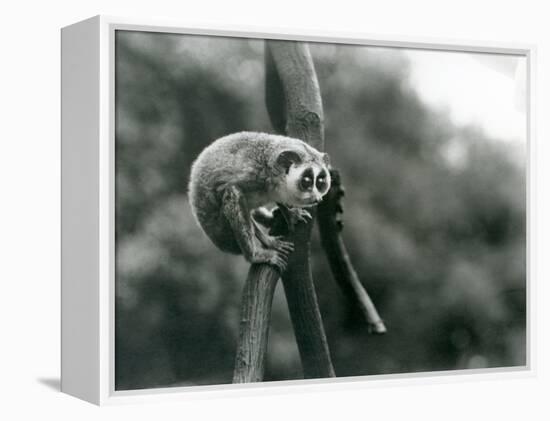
x=295, y=108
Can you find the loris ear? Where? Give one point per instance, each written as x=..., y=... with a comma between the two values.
x=287, y=158
x=326, y=159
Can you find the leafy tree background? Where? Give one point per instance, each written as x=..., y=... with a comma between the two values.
x=438, y=237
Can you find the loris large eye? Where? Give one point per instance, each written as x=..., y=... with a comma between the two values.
x=321, y=182
x=306, y=181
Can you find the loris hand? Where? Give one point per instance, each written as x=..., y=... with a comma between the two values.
x=294, y=216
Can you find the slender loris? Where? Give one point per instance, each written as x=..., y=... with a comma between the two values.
x=237, y=176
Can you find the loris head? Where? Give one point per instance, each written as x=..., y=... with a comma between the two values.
x=306, y=177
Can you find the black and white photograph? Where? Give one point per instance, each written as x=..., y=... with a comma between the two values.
x=290, y=210
x=275, y=210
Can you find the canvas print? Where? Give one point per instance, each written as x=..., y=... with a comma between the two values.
x=298, y=210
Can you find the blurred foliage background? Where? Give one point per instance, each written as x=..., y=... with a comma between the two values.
x=434, y=219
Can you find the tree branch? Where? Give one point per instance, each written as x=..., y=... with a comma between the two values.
x=294, y=104
x=330, y=228
x=254, y=324
x=290, y=70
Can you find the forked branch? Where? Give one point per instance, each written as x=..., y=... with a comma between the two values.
x=294, y=104
x=299, y=112
x=293, y=101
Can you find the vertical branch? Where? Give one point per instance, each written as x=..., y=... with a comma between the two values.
x=294, y=104
x=254, y=324
x=299, y=112
x=290, y=70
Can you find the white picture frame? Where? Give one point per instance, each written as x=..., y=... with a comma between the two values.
x=88, y=211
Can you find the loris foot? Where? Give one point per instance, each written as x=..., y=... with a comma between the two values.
x=272, y=257
x=275, y=243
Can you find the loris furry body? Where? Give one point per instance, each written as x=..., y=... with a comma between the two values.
x=241, y=172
